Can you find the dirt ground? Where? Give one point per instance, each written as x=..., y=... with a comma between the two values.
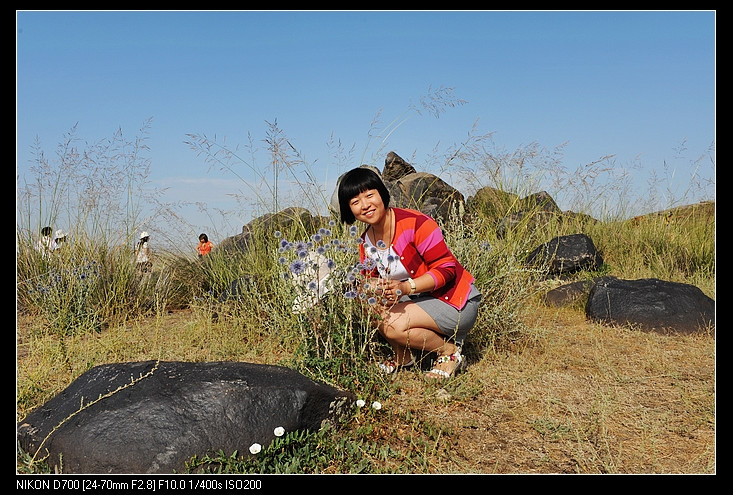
x=583, y=399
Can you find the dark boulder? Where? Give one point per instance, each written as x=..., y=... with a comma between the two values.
x=426, y=193
x=566, y=254
x=152, y=417
x=569, y=293
x=651, y=305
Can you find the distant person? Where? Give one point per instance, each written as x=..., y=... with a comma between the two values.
x=46, y=243
x=59, y=239
x=205, y=246
x=142, y=253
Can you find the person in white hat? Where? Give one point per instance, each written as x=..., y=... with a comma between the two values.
x=59, y=239
x=142, y=254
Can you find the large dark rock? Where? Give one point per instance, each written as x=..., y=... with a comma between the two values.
x=427, y=193
x=651, y=305
x=569, y=293
x=566, y=254
x=152, y=417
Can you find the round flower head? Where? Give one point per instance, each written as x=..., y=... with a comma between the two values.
x=297, y=267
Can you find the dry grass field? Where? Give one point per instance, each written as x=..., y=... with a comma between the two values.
x=580, y=398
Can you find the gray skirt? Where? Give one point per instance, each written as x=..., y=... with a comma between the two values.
x=453, y=323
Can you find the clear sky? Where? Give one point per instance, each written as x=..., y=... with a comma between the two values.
x=636, y=85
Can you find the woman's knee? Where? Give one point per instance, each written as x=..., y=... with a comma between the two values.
x=391, y=329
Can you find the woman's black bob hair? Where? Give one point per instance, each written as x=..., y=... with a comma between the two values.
x=355, y=182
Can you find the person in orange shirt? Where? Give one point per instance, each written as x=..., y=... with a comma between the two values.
x=205, y=246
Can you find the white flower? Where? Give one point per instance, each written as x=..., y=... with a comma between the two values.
x=279, y=431
x=360, y=403
x=376, y=405
x=255, y=448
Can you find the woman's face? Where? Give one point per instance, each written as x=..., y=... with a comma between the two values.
x=368, y=206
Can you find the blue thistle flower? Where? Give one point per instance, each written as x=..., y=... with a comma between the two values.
x=372, y=301
x=350, y=294
x=313, y=286
x=278, y=234
x=297, y=267
x=381, y=244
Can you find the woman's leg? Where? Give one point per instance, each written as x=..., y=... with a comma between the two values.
x=407, y=326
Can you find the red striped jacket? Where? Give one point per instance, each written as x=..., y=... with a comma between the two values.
x=421, y=247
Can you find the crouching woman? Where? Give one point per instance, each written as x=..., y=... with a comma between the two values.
x=428, y=299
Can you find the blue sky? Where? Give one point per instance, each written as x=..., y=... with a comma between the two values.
x=635, y=85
